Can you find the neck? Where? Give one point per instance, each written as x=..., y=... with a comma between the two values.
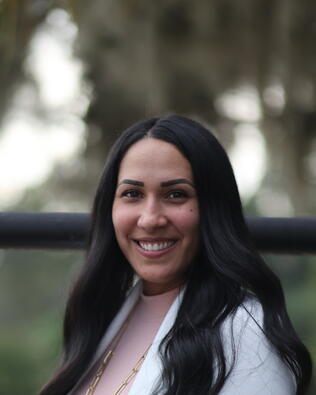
x=152, y=289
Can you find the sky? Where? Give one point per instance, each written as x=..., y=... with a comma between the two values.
x=44, y=125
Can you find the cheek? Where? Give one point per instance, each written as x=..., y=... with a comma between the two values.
x=122, y=219
x=188, y=222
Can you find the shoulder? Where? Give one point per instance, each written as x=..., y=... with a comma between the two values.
x=256, y=367
x=247, y=320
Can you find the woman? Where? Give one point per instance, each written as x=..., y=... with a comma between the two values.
x=207, y=315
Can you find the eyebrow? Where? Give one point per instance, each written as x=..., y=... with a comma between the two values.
x=132, y=182
x=177, y=181
x=162, y=184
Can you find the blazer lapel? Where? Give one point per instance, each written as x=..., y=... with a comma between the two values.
x=118, y=321
x=149, y=375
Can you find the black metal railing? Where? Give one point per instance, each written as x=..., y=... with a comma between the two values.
x=69, y=231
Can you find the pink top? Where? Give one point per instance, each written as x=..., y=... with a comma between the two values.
x=137, y=337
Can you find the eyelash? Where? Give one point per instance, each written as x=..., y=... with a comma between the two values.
x=138, y=194
x=125, y=193
x=181, y=193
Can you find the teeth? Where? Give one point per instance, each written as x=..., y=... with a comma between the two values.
x=156, y=246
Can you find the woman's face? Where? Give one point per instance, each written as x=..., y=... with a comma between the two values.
x=155, y=214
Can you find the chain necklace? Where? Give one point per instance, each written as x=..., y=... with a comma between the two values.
x=105, y=361
x=124, y=384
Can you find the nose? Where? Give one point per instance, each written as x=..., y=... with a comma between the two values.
x=152, y=216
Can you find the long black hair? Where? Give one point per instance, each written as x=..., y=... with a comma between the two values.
x=226, y=270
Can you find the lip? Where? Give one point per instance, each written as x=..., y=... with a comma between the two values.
x=154, y=254
x=153, y=239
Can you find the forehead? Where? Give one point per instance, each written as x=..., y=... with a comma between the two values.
x=154, y=158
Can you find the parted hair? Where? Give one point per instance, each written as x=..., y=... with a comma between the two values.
x=226, y=269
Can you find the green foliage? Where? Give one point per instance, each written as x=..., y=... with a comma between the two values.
x=28, y=353
x=298, y=277
x=33, y=291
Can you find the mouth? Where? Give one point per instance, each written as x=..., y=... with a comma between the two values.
x=154, y=248
x=155, y=245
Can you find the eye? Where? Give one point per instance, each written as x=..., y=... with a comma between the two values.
x=177, y=195
x=131, y=194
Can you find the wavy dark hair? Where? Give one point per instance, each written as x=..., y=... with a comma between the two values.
x=227, y=269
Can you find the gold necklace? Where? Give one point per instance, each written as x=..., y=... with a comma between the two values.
x=105, y=361
x=102, y=367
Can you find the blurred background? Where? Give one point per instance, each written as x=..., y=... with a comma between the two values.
x=74, y=74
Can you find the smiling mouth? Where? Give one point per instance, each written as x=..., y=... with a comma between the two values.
x=155, y=246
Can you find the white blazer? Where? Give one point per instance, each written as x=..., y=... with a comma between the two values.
x=257, y=370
